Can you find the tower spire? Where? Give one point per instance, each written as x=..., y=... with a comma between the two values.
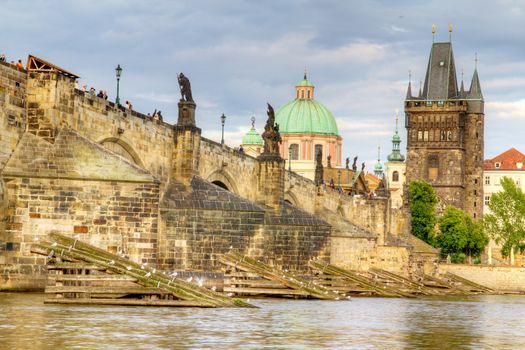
x=305, y=73
x=396, y=155
x=462, y=89
x=409, y=90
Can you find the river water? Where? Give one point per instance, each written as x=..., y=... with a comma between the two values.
x=481, y=322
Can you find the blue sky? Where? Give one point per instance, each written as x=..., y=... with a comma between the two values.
x=241, y=54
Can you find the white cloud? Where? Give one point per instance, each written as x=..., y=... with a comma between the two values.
x=506, y=110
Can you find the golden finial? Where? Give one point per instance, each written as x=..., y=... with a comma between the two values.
x=450, y=28
x=450, y=32
x=433, y=31
x=253, y=121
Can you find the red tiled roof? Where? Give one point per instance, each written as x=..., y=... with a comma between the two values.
x=507, y=160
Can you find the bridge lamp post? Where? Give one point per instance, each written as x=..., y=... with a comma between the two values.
x=290, y=158
x=339, y=180
x=223, y=120
x=118, y=72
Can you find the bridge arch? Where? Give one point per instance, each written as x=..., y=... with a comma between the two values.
x=119, y=146
x=291, y=198
x=222, y=179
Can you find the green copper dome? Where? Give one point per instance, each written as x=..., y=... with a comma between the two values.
x=304, y=82
x=305, y=117
x=252, y=138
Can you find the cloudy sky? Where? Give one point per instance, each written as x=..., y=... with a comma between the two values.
x=241, y=54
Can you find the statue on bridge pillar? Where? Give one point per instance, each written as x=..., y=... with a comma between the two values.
x=186, y=104
x=347, y=162
x=319, y=177
x=354, y=164
x=271, y=135
x=185, y=88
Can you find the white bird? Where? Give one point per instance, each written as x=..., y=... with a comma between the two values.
x=129, y=268
x=200, y=283
x=230, y=294
x=214, y=288
x=54, y=244
x=142, y=267
x=190, y=279
x=146, y=263
x=148, y=274
x=112, y=262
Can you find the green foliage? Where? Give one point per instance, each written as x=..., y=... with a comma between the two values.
x=423, y=201
x=460, y=234
x=506, y=222
x=458, y=258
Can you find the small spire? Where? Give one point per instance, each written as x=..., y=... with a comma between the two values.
x=409, y=90
x=475, y=86
x=397, y=118
x=378, y=153
x=253, y=121
x=433, y=32
x=305, y=73
x=420, y=88
x=450, y=32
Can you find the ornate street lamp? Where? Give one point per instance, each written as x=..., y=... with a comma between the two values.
x=223, y=120
x=339, y=180
x=118, y=72
x=290, y=158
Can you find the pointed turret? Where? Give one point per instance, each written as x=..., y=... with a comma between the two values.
x=475, y=88
x=378, y=168
x=409, y=91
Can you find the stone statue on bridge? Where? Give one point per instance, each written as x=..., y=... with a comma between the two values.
x=347, y=162
x=185, y=88
x=354, y=164
x=271, y=135
x=319, y=168
x=363, y=167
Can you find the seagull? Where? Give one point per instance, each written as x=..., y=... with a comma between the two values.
x=214, y=288
x=200, y=283
x=190, y=279
x=129, y=268
x=54, y=244
x=154, y=270
x=142, y=267
x=148, y=274
x=112, y=262
x=230, y=294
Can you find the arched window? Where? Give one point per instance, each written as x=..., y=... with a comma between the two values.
x=294, y=151
x=297, y=94
x=395, y=176
x=317, y=149
x=302, y=94
x=308, y=93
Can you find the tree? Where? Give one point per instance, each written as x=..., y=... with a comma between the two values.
x=460, y=234
x=506, y=220
x=423, y=201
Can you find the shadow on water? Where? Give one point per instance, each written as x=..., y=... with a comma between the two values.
x=363, y=323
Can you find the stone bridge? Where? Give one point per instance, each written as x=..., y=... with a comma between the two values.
x=78, y=164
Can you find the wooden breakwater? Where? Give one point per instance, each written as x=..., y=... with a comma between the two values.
x=80, y=273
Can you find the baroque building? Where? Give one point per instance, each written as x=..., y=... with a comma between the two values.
x=445, y=134
x=307, y=127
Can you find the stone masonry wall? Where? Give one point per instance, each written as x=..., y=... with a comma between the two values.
x=502, y=278
x=110, y=215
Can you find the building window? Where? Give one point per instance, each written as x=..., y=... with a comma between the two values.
x=308, y=93
x=317, y=149
x=449, y=136
x=487, y=200
x=429, y=103
x=425, y=135
x=294, y=151
x=443, y=135
x=517, y=180
x=487, y=180
x=497, y=165
x=441, y=103
x=395, y=176
x=420, y=135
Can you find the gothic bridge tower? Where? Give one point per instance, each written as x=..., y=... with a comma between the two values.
x=445, y=133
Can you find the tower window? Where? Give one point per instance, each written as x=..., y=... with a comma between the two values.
x=308, y=93
x=302, y=94
x=395, y=176
x=487, y=200
x=433, y=166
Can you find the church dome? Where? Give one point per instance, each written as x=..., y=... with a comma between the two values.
x=252, y=138
x=304, y=115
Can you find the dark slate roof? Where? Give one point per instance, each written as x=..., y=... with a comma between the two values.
x=475, y=88
x=440, y=80
x=204, y=195
x=291, y=215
